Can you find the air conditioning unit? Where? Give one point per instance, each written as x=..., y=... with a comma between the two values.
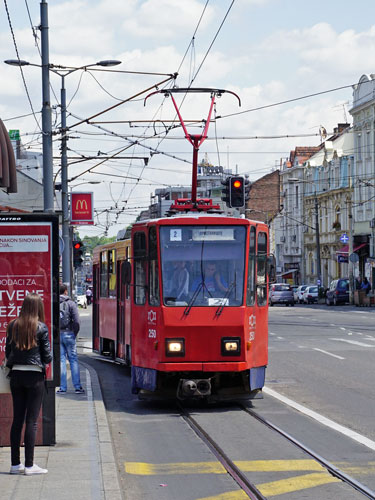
x=282, y=239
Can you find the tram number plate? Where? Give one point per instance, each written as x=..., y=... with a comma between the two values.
x=214, y=301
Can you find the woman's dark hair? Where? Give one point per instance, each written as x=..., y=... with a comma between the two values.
x=25, y=326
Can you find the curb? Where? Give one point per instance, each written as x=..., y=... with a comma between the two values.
x=107, y=465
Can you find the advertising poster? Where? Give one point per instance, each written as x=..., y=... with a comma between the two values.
x=82, y=208
x=25, y=266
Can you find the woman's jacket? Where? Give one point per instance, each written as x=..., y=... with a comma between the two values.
x=39, y=355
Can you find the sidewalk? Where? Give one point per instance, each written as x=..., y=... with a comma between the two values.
x=81, y=465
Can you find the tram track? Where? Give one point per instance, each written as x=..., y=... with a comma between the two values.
x=332, y=469
x=239, y=477
x=242, y=480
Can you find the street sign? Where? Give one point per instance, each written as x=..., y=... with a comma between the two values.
x=354, y=257
x=14, y=135
x=342, y=259
x=344, y=238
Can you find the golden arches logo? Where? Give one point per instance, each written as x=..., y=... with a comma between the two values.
x=81, y=205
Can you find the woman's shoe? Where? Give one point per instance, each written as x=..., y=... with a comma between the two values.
x=35, y=469
x=17, y=469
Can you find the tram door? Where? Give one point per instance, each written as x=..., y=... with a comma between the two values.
x=95, y=313
x=120, y=347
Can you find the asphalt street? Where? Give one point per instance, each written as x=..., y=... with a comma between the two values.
x=319, y=357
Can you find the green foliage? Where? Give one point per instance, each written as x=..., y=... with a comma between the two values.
x=91, y=242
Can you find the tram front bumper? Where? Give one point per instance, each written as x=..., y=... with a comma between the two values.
x=218, y=366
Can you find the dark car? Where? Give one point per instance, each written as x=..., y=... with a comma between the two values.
x=338, y=292
x=281, y=293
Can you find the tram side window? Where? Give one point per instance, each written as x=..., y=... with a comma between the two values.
x=154, y=290
x=104, y=274
x=112, y=273
x=140, y=266
x=262, y=269
x=250, y=294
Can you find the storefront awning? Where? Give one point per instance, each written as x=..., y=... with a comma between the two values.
x=345, y=249
x=290, y=271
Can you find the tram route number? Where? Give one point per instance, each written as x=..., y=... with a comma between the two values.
x=151, y=333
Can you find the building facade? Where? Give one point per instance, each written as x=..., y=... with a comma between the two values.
x=363, y=113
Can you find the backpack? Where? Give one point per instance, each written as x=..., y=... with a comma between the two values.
x=64, y=315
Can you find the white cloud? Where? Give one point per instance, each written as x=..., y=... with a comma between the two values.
x=167, y=19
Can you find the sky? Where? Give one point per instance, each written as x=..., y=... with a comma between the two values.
x=266, y=51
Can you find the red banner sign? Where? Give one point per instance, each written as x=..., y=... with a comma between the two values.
x=25, y=266
x=81, y=208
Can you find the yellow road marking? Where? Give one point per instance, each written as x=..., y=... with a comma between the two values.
x=230, y=495
x=275, y=488
x=147, y=469
x=296, y=483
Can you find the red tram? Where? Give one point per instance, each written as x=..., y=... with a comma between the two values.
x=184, y=299
x=184, y=302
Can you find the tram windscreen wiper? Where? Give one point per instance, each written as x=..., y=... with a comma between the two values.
x=193, y=298
x=219, y=310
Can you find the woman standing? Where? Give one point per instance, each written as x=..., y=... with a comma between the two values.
x=28, y=352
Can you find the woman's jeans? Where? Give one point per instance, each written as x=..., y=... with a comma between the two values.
x=27, y=393
x=68, y=349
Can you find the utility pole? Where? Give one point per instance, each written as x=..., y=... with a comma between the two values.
x=318, y=261
x=66, y=258
x=46, y=113
x=350, y=242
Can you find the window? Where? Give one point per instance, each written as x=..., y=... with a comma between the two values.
x=103, y=274
x=250, y=293
x=140, y=266
x=154, y=293
x=261, y=269
x=112, y=273
x=203, y=265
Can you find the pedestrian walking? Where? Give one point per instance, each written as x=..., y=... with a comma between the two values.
x=69, y=328
x=89, y=295
x=28, y=351
x=366, y=285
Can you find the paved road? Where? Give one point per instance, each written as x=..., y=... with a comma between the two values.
x=159, y=456
x=323, y=357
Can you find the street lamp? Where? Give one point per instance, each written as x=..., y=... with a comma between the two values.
x=64, y=71
x=317, y=230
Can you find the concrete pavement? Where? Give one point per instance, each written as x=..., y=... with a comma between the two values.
x=81, y=465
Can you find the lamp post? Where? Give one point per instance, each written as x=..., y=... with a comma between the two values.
x=64, y=71
x=317, y=229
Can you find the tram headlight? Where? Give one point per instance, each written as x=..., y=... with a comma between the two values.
x=175, y=347
x=230, y=346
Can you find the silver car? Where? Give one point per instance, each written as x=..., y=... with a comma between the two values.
x=281, y=293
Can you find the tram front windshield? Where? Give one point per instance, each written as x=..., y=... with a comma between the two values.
x=203, y=265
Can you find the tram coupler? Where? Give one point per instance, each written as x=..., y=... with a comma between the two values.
x=190, y=388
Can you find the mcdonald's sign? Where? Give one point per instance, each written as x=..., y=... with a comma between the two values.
x=81, y=208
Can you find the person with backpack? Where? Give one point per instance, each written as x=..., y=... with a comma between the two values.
x=69, y=328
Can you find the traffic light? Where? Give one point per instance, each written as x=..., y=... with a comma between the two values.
x=236, y=191
x=77, y=253
x=225, y=193
x=247, y=189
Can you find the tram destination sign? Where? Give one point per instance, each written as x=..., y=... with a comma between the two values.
x=213, y=234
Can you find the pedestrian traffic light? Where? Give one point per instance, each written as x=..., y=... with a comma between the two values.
x=225, y=193
x=236, y=191
x=77, y=253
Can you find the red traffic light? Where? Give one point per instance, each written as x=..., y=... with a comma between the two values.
x=77, y=245
x=237, y=183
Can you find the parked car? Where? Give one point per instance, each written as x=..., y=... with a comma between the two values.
x=338, y=292
x=281, y=293
x=299, y=292
x=310, y=294
x=294, y=289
